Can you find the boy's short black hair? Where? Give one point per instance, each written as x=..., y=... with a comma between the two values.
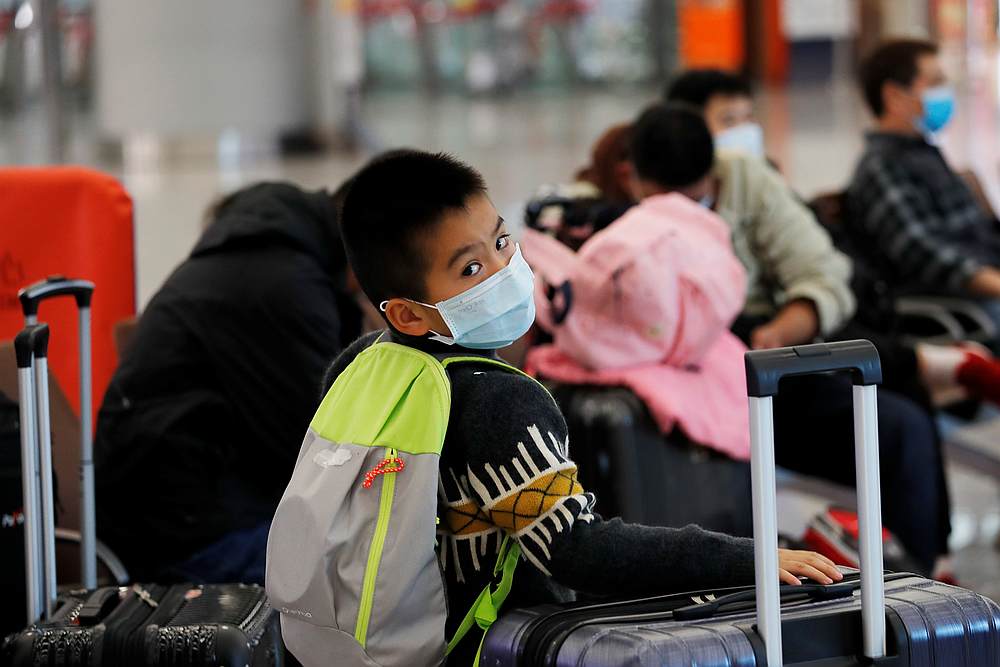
x=894, y=61
x=390, y=204
x=671, y=146
x=698, y=86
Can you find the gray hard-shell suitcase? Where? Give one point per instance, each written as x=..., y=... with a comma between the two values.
x=871, y=617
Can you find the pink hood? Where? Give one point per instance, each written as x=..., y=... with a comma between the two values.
x=652, y=297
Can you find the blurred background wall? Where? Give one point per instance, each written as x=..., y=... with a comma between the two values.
x=187, y=100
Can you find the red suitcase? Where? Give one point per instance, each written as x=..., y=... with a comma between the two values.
x=72, y=221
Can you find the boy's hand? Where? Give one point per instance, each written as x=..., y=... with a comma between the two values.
x=793, y=564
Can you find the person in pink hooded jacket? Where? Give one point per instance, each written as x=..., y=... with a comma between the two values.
x=647, y=304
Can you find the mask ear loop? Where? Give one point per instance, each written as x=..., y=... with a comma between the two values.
x=447, y=340
x=385, y=304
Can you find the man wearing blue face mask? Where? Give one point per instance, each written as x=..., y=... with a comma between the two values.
x=924, y=228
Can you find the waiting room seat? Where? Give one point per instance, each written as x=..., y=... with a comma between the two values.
x=76, y=222
x=926, y=318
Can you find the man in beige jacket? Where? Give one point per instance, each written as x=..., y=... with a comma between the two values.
x=798, y=282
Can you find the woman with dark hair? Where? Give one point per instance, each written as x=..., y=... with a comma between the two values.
x=598, y=196
x=609, y=169
x=202, y=422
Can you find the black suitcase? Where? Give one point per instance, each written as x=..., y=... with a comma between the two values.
x=147, y=624
x=894, y=620
x=221, y=624
x=645, y=477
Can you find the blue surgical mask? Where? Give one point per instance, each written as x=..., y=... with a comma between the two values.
x=746, y=138
x=939, y=105
x=494, y=313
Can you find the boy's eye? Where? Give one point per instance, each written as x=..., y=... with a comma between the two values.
x=472, y=269
x=503, y=242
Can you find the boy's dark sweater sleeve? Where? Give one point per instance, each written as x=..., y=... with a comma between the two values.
x=521, y=475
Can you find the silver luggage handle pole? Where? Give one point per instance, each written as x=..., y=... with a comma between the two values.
x=31, y=298
x=765, y=526
x=25, y=344
x=866, y=458
x=48, y=515
x=765, y=369
x=88, y=512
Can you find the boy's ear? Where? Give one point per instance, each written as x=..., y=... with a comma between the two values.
x=407, y=317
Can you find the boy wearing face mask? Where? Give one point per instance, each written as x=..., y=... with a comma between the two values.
x=438, y=261
x=925, y=228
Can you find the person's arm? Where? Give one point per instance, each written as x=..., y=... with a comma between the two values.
x=797, y=323
x=985, y=282
x=798, y=256
x=522, y=477
x=896, y=214
x=614, y=557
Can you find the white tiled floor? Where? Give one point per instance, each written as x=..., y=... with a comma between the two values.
x=814, y=132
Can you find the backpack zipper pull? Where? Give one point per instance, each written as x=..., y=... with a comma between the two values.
x=390, y=464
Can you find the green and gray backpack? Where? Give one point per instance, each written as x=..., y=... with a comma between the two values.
x=351, y=561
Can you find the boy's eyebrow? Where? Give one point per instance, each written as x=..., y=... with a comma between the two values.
x=471, y=246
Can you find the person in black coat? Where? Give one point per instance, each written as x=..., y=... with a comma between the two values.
x=202, y=422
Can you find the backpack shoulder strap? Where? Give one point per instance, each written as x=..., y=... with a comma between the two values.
x=447, y=360
x=452, y=359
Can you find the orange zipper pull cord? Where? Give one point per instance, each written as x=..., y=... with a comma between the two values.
x=390, y=464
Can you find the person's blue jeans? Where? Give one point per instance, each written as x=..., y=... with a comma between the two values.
x=237, y=558
x=813, y=418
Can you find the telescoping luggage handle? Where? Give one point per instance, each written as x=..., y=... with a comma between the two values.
x=31, y=349
x=765, y=369
x=82, y=290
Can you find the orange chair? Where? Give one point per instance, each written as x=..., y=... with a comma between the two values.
x=75, y=222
